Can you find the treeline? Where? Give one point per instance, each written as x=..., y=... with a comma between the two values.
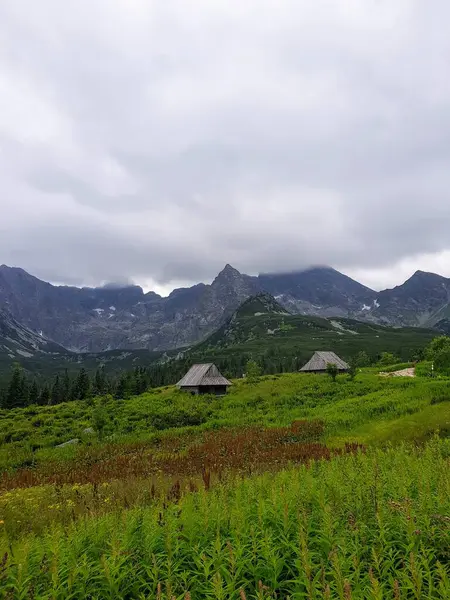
x=23, y=389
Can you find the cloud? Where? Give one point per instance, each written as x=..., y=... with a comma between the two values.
x=156, y=141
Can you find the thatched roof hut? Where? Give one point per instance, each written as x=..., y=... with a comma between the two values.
x=204, y=379
x=318, y=363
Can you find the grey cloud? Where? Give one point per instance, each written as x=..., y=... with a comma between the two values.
x=160, y=143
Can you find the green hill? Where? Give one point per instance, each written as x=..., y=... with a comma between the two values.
x=167, y=495
x=262, y=328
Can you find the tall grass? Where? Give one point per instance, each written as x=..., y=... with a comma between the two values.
x=365, y=526
x=28, y=436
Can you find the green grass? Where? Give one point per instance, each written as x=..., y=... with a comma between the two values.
x=350, y=409
x=373, y=524
x=366, y=526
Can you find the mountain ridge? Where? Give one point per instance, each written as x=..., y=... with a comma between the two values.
x=114, y=317
x=262, y=329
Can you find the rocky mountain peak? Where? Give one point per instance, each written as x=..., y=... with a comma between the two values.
x=425, y=276
x=227, y=274
x=421, y=282
x=115, y=317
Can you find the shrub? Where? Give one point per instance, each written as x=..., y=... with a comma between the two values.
x=332, y=371
x=424, y=369
x=387, y=358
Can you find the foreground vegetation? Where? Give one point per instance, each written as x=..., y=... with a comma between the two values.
x=367, y=525
x=358, y=410
x=291, y=486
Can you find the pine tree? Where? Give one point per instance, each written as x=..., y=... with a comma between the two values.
x=44, y=397
x=14, y=394
x=82, y=385
x=99, y=385
x=56, y=395
x=122, y=388
x=139, y=381
x=33, y=395
x=25, y=391
x=66, y=387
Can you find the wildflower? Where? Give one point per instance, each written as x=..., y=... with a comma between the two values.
x=2, y=522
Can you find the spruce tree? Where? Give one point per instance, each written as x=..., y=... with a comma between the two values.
x=56, y=395
x=99, y=385
x=25, y=391
x=66, y=387
x=82, y=385
x=44, y=397
x=122, y=387
x=14, y=394
x=33, y=395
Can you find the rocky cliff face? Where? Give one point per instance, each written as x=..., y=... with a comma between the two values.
x=99, y=319
x=422, y=301
x=17, y=342
x=318, y=291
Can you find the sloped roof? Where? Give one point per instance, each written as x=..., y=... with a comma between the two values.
x=320, y=360
x=203, y=374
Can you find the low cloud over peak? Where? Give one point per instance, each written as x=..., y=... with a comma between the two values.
x=155, y=141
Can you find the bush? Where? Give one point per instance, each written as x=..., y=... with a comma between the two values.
x=332, y=371
x=387, y=358
x=438, y=345
x=442, y=361
x=424, y=369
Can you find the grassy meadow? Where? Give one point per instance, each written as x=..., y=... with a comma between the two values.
x=293, y=486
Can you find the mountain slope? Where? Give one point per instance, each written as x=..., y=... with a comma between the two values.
x=113, y=318
x=274, y=332
x=19, y=344
x=107, y=318
x=319, y=290
x=422, y=301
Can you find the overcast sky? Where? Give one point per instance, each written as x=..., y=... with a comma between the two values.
x=156, y=140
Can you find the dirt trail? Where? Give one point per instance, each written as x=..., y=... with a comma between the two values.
x=411, y=372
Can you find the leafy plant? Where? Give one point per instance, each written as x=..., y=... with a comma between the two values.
x=332, y=371
x=387, y=358
x=253, y=371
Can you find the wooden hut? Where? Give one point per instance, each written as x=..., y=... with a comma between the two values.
x=204, y=379
x=318, y=363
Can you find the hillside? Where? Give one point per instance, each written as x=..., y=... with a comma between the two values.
x=19, y=344
x=423, y=300
x=363, y=410
x=259, y=331
x=208, y=497
x=40, y=356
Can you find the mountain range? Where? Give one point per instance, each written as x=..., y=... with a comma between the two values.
x=263, y=329
x=111, y=318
